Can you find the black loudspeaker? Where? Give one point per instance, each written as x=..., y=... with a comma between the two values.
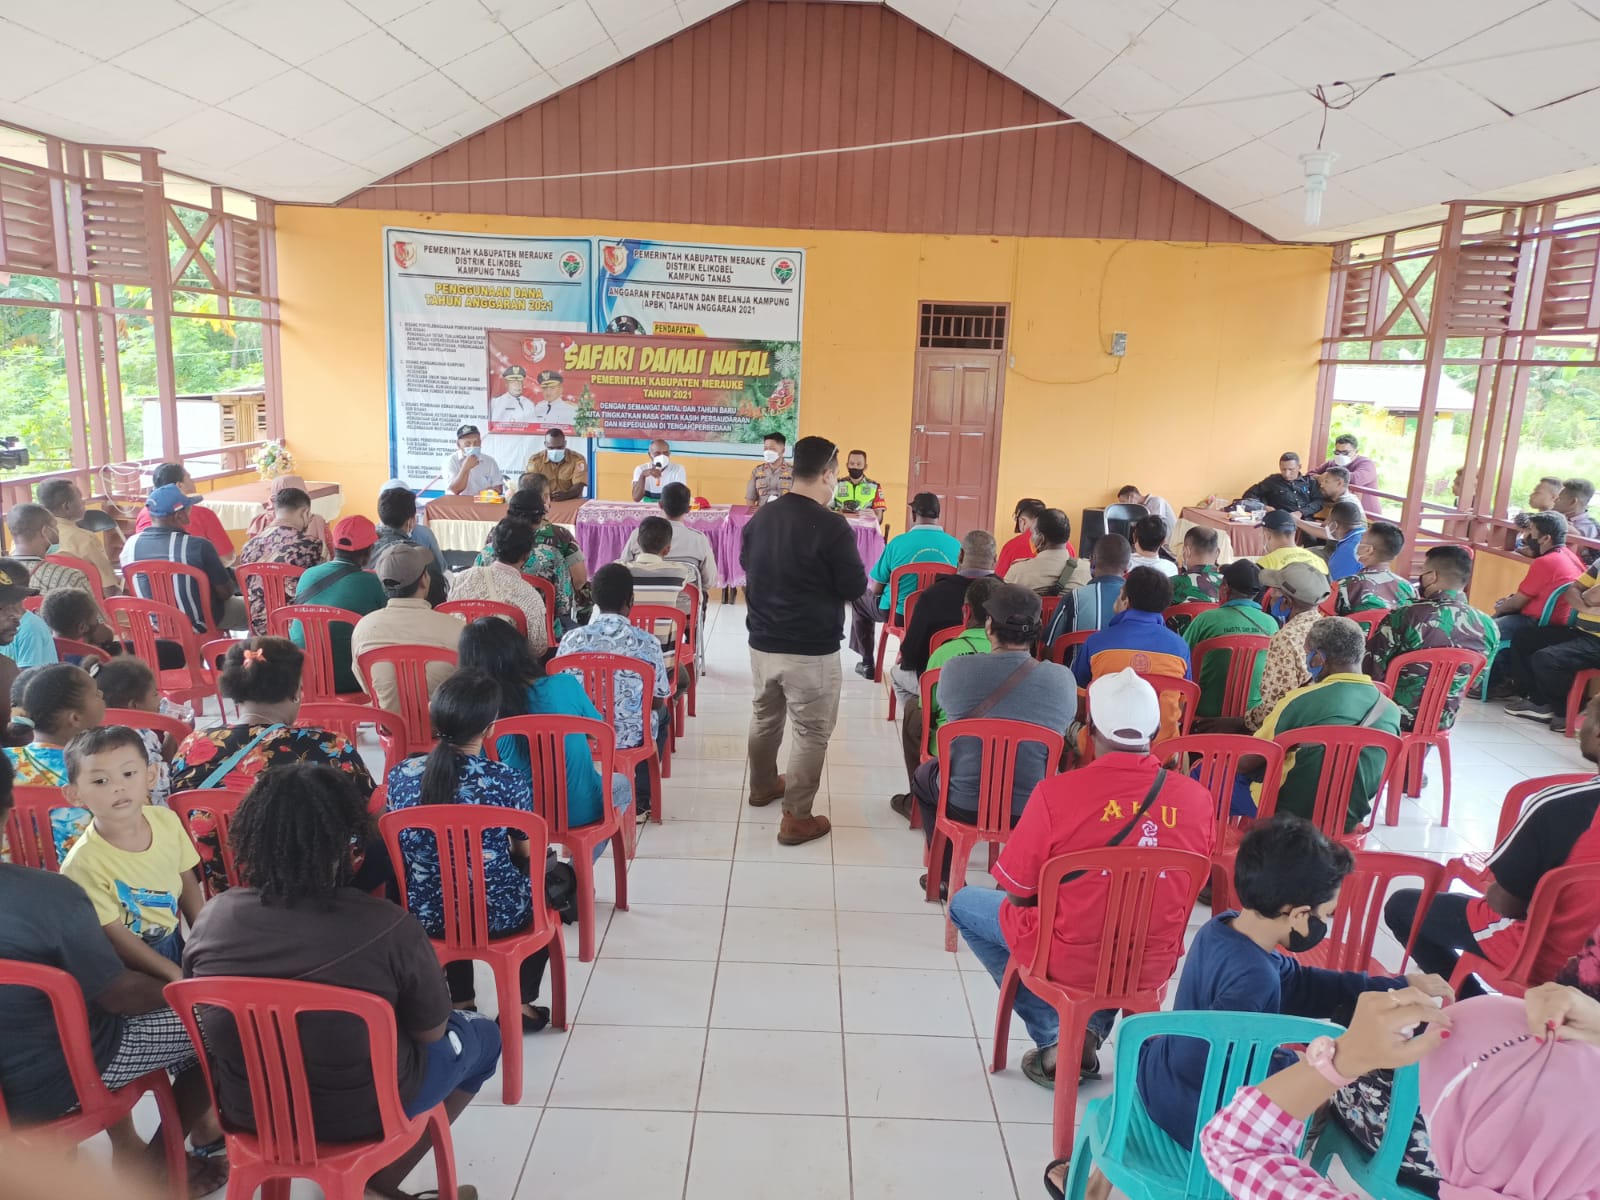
x=1091, y=527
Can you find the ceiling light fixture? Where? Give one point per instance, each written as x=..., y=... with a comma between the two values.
x=1318, y=163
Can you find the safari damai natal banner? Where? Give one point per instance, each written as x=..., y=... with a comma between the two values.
x=704, y=344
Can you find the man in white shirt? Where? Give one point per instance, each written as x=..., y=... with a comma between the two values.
x=658, y=470
x=470, y=470
x=511, y=407
x=1148, y=535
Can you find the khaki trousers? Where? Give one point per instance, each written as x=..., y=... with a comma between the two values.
x=806, y=689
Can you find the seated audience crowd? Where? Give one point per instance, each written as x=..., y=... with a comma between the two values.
x=246, y=843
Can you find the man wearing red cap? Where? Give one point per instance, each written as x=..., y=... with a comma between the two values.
x=343, y=583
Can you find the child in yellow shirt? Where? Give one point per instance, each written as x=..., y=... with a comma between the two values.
x=135, y=861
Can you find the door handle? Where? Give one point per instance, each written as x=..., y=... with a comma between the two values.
x=922, y=462
x=920, y=428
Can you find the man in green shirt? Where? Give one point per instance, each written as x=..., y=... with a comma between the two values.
x=343, y=583
x=973, y=639
x=1338, y=694
x=923, y=542
x=1238, y=611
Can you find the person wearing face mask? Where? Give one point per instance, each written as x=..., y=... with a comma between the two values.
x=285, y=541
x=658, y=470
x=469, y=469
x=1338, y=694
x=802, y=570
x=1023, y=519
x=1554, y=566
x=1287, y=877
x=857, y=492
x=1442, y=619
x=1375, y=585
x=1362, y=470
x=773, y=476
x=1346, y=524
x=34, y=535
x=566, y=471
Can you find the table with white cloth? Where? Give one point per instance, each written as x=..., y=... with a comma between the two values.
x=237, y=506
x=463, y=523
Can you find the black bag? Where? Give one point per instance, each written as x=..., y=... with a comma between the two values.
x=561, y=887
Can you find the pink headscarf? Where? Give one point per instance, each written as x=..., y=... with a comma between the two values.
x=316, y=527
x=1509, y=1118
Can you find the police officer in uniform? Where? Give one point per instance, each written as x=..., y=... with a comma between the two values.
x=856, y=492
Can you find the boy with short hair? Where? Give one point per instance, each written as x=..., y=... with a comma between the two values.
x=135, y=861
x=1201, y=578
x=1287, y=878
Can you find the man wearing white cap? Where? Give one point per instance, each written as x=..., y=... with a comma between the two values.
x=1123, y=798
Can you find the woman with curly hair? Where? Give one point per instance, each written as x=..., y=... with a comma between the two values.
x=555, y=554
x=301, y=916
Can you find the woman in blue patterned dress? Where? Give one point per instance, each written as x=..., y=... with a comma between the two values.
x=454, y=772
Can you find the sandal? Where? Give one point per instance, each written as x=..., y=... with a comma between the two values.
x=537, y=1022
x=944, y=888
x=1055, y=1189
x=206, y=1174
x=1033, y=1067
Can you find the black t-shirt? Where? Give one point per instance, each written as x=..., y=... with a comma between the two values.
x=938, y=608
x=1553, y=825
x=801, y=568
x=49, y=920
x=358, y=942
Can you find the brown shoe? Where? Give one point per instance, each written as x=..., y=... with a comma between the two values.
x=762, y=801
x=795, y=831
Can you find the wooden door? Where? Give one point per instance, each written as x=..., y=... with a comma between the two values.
x=955, y=434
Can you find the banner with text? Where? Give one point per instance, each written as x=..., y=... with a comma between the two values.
x=633, y=387
x=444, y=291
x=678, y=289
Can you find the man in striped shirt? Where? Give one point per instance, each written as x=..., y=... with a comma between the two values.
x=168, y=540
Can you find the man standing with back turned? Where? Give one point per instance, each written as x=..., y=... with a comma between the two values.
x=801, y=570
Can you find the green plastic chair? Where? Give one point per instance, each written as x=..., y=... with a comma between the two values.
x=1377, y=1174
x=1136, y=1155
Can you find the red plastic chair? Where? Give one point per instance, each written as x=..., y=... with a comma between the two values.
x=264, y=1017
x=99, y=1108
x=1186, y=612
x=1369, y=619
x=696, y=657
x=471, y=610
x=943, y=636
x=161, y=581
x=1047, y=611
x=999, y=742
x=207, y=813
x=599, y=675
x=1473, y=869
x=211, y=655
x=347, y=719
x=1342, y=748
x=28, y=830
x=926, y=682
x=316, y=622
x=650, y=618
x=1132, y=877
x=137, y=718
x=1442, y=668
x=1359, y=915
x=143, y=623
x=1244, y=650
x=547, y=593
x=90, y=572
x=1212, y=759
x=1068, y=641
x=914, y=577
x=1187, y=693
x=1577, y=697
x=547, y=755
x=410, y=666
x=273, y=580
x=1574, y=885
x=71, y=647
x=458, y=831
x=911, y=609
x=32, y=603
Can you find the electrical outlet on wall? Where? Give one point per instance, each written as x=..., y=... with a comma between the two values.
x=1119, y=344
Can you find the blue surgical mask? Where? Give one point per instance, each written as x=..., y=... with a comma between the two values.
x=1314, y=665
x=555, y=455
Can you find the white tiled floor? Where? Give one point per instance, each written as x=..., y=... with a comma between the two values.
x=784, y=1023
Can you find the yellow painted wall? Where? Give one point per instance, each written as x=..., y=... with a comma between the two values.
x=1218, y=380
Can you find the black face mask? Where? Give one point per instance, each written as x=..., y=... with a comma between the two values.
x=857, y=472
x=1316, y=930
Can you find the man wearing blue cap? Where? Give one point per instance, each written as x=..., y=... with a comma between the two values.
x=168, y=540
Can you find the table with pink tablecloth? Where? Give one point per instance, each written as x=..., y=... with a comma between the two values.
x=869, y=542
x=602, y=528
